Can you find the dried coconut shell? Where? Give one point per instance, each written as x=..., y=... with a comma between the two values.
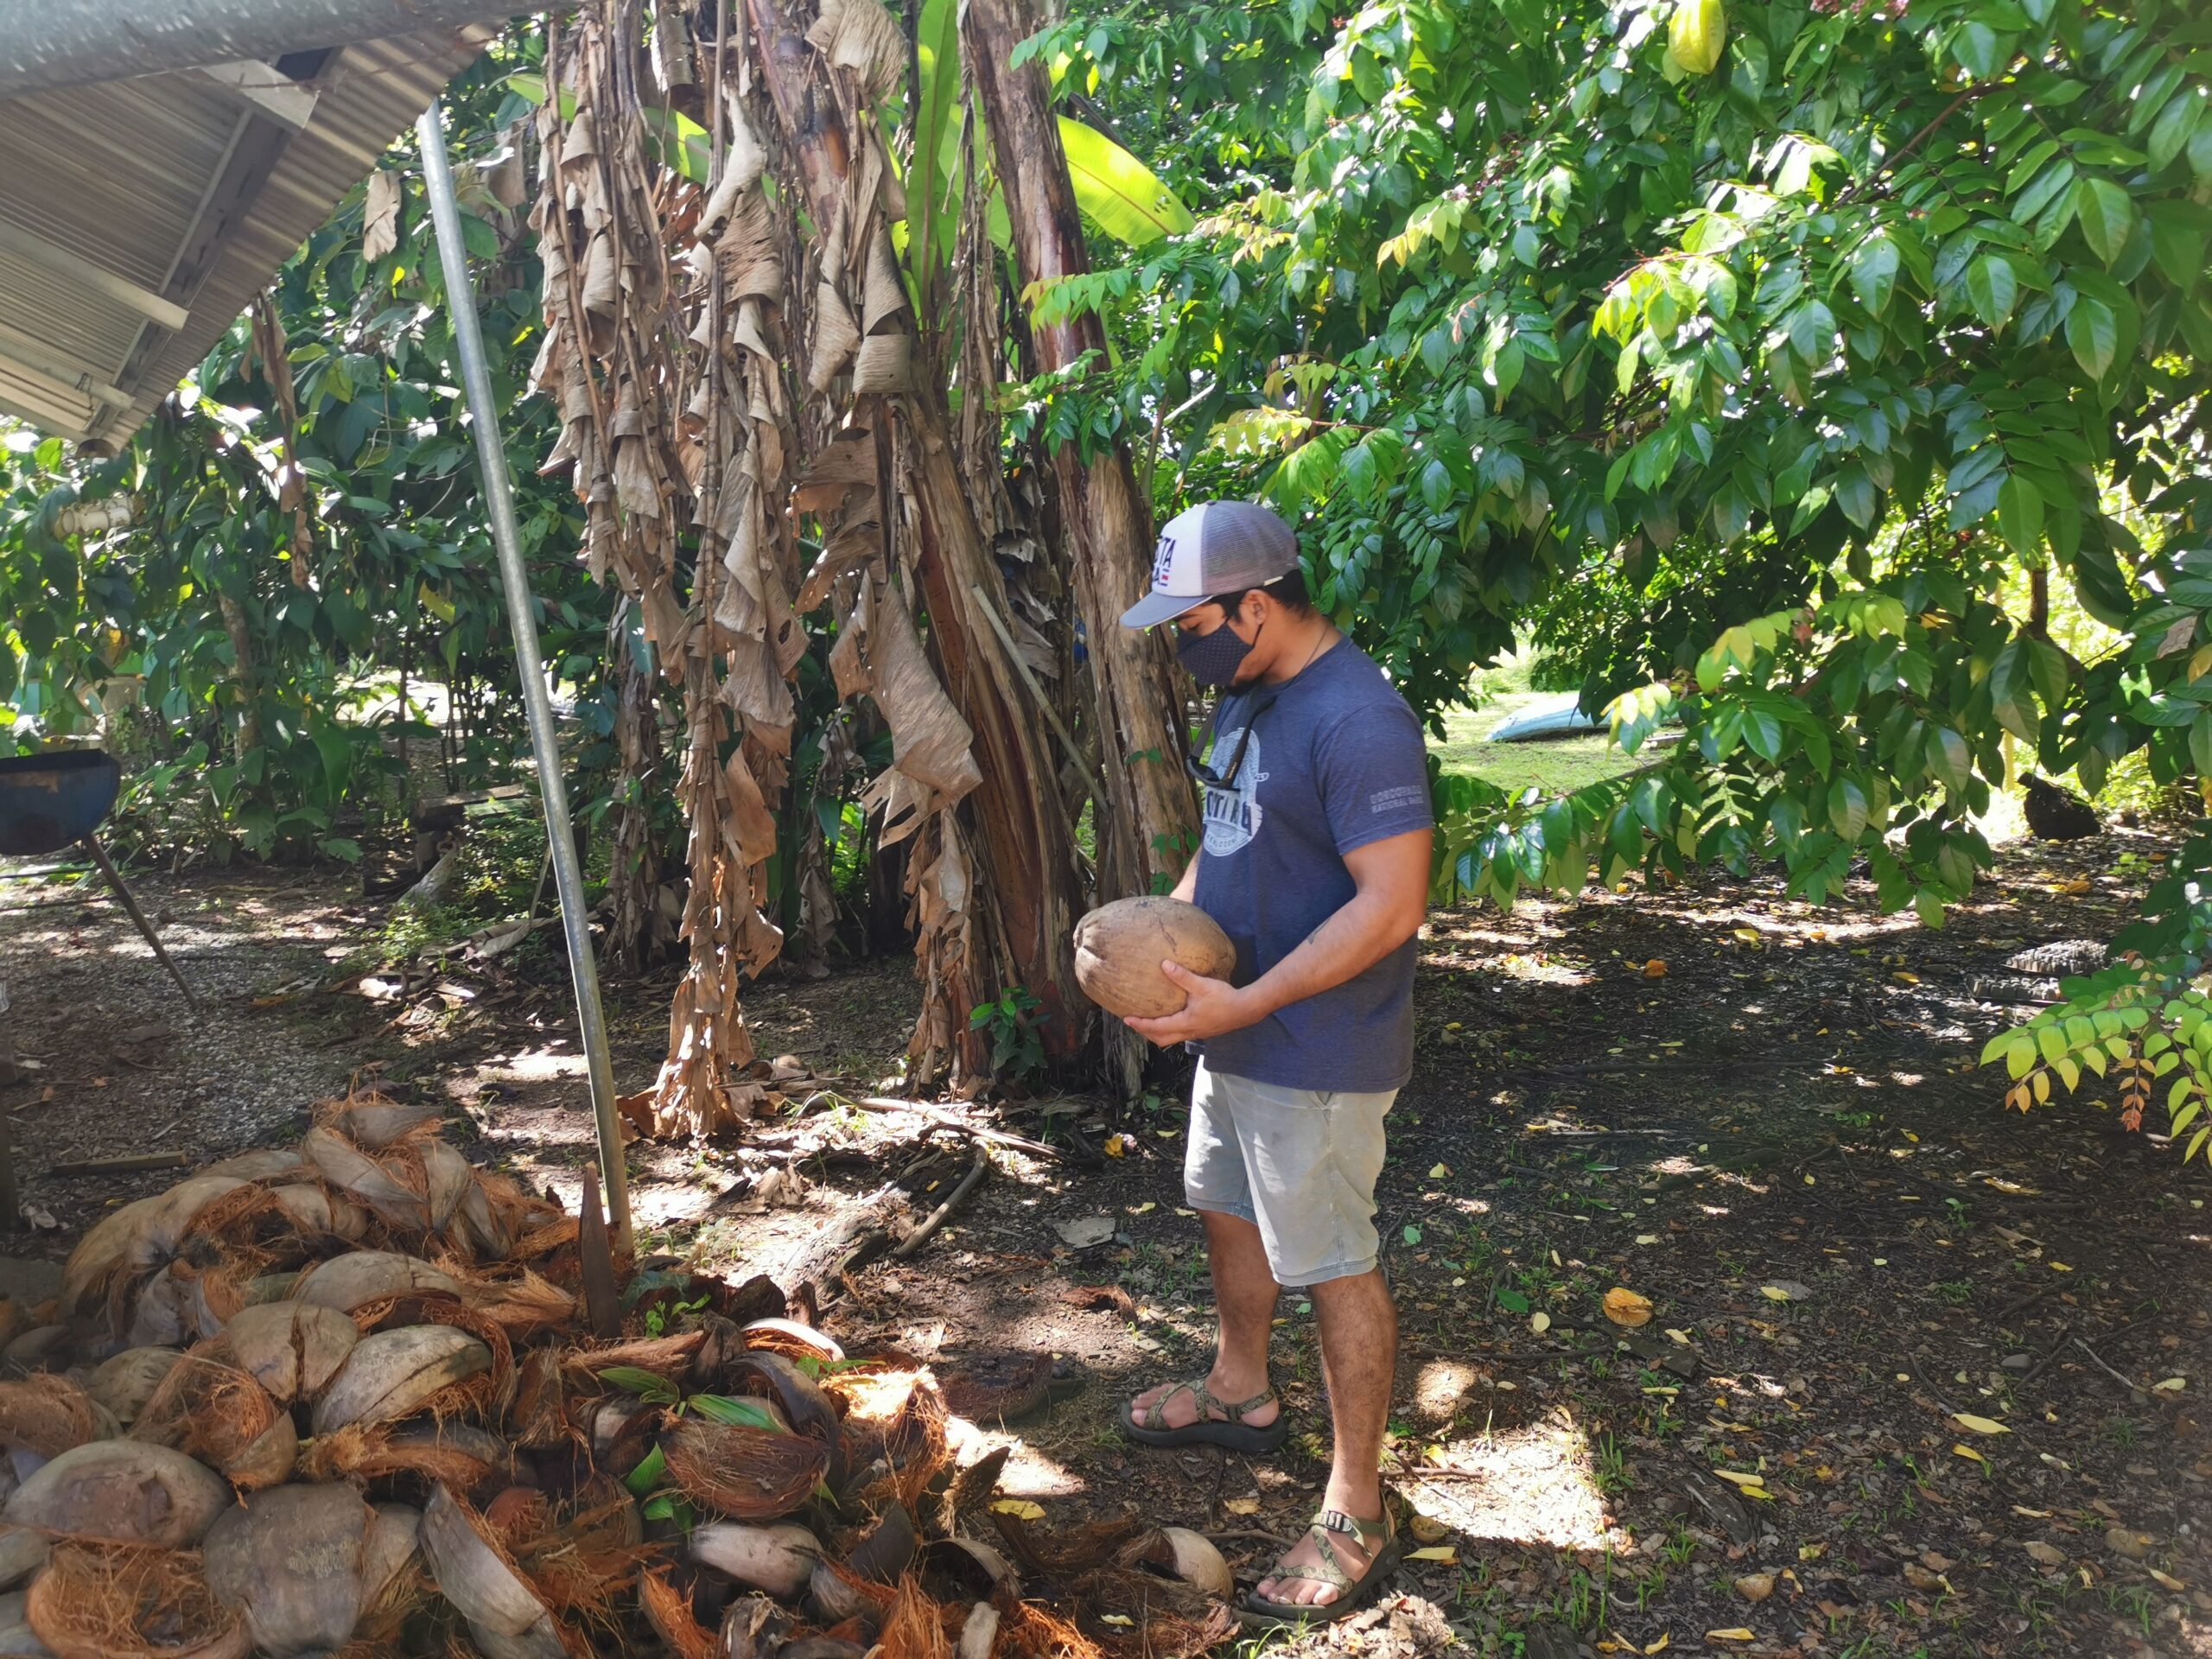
x=22, y=1552
x=372, y=1121
x=46, y=1414
x=400, y=1203
x=451, y=1179
x=505, y=1614
x=37, y=1348
x=525, y=1304
x=288, y=1562
x=668, y=1358
x=353, y=1281
x=125, y=1490
x=264, y=1164
x=120, y=1601
x=318, y=1212
x=461, y=1455
x=779, y=1559
x=668, y=1610
x=292, y=1349
x=17, y=1639
x=395, y=1374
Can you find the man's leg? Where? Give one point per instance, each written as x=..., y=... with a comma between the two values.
x=1359, y=1356
x=1244, y=1293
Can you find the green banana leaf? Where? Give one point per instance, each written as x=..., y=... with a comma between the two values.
x=1116, y=192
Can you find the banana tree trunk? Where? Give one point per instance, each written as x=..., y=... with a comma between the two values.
x=1148, y=827
x=1026, y=869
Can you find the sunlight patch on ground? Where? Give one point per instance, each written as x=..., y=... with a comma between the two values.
x=1028, y=1473
x=1532, y=1485
x=532, y=1065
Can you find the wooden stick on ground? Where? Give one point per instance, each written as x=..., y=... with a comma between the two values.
x=124, y=1165
x=938, y=1114
x=922, y=1234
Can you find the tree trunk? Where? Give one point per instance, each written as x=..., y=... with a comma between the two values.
x=1024, y=863
x=1147, y=828
x=236, y=624
x=635, y=928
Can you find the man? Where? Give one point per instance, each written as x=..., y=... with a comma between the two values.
x=1315, y=863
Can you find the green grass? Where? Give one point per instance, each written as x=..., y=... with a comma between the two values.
x=1554, y=767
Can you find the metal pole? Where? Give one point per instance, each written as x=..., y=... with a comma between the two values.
x=568, y=874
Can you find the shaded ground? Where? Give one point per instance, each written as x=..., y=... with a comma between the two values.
x=1850, y=1249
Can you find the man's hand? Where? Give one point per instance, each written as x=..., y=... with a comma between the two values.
x=1214, y=1007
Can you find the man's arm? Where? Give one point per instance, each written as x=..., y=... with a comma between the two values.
x=1391, y=879
x=1187, y=888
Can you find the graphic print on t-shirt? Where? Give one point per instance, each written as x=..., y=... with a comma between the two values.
x=1232, y=815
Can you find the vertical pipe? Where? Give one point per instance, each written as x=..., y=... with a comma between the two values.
x=560, y=840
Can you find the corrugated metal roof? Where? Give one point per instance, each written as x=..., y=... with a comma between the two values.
x=124, y=202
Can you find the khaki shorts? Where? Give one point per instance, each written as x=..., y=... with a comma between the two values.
x=1300, y=1163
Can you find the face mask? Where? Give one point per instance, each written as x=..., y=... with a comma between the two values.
x=1213, y=659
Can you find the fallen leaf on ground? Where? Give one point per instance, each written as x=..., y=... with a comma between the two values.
x=1440, y=1172
x=1625, y=1307
x=1426, y=1529
x=1979, y=1425
x=1241, y=1505
x=1755, y=1587
x=1734, y=1633
x=1144, y=1209
x=1101, y=1299
x=2044, y=1554
x=1444, y=1553
x=1738, y=1477
x=2166, y=1580
x=1020, y=1507
x=1116, y=1145
x=1963, y=1450
x=1921, y=1579
x=1539, y=1322
x=2125, y=1540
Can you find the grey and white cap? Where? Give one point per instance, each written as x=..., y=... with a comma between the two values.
x=1217, y=547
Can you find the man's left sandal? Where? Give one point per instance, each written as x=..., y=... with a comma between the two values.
x=1352, y=1593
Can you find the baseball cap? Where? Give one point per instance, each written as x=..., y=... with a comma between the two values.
x=1217, y=547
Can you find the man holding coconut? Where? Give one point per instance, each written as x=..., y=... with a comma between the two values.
x=1315, y=863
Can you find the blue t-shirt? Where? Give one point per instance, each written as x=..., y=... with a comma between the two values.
x=1335, y=761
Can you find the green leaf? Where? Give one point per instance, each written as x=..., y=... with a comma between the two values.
x=2020, y=513
x=1512, y=1300
x=2094, y=333
x=1992, y=288
x=733, y=1413
x=1118, y=193
x=652, y=1470
x=646, y=1385
x=1874, y=272
x=2107, y=213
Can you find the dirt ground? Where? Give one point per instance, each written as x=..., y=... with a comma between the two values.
x=1858, y=1265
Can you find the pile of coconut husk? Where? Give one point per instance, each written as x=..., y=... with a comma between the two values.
x=342, y=1399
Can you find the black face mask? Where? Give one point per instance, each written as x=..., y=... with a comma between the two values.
x=1213, y=659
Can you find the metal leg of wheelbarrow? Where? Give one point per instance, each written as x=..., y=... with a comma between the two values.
x=92, y=844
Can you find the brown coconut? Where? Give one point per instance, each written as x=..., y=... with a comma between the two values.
x=386, y=1185
x=217, y=1411
x=394, y=1374
x=292, y=1349
x=46, y=1414
x=1119, y=948
x=124, y=1383
x=126, y=1491
x=288, y=1562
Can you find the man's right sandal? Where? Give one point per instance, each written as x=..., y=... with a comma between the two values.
x=1381, y=1536
x=1230, y=1429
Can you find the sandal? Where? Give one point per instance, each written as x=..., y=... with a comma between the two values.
x=1230, y=1429
x=1381, y=1536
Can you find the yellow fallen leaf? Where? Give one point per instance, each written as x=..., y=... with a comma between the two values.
x=1452, y=1025
x=1241, y=1505
x=2172, y=1385
x=1965, y=1451
x=1811, y=1551
x=1979, y=1425
x=1681, y=1336
x=1116, y=1145
x=2166, y=1581
x=1734, y=1633
x=1738, y=1477
x=1654, y=969
x=1625, y=1307
x=1774, y=1294
x=1440, y=1172
x=2060, y=1267
x=1444, y=1553
x=1647, y=1238
x=1144, y=1209
x=1540, y=1321
x=1180, y=1211
x=1121, y=1619
x=1910, y=979
x=1748, y=935
x=1660, y=1646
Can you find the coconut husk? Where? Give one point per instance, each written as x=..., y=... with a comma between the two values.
x=288, y=1562
x=542, y=1239
x=267, y=1163
x=499, y=1389
x=103, y=1273
x=1066, y=1554
x=218, y=1413
x=505, y=1614
x=897, y=1416
x=123, y=1601
x=915, y=1626
x=539, y=1416
x=122, y=1491
x=373, y=1121
x=755, y=1627
x=749, y=1474
x=292, y=1349
x=459, y=1455
x=668, y=1610
x=316, y=1212
x=361, y=1277
x=393, y=1187
x=1026, y=1629
x=666, y=1356
x=589, y=1557
x=38, y=1349
x=451, y=1178
x=46, y=1414
x=839, y=1594
x=793, y=1340
x=394, y=1374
